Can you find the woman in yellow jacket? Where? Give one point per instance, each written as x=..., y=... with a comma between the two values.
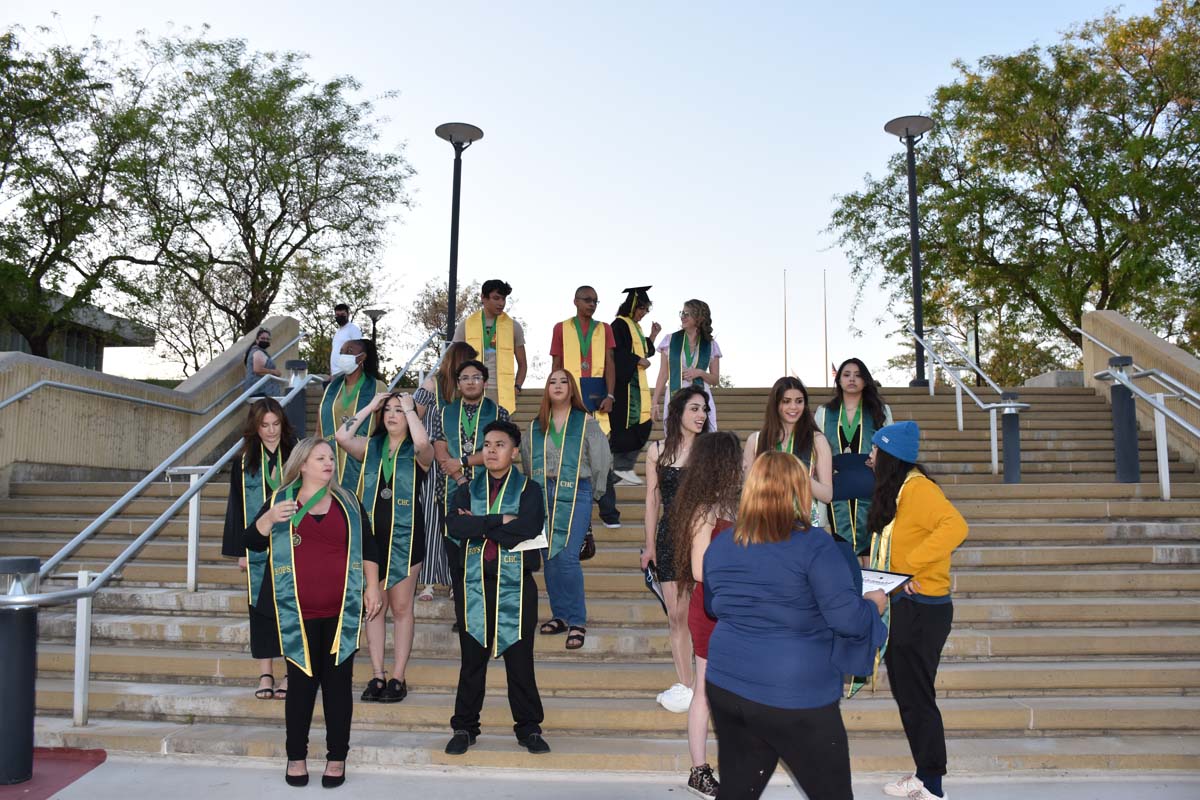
x=914, y=530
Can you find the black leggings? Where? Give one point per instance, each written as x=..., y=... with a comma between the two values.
x=337, y=695
x=918, y=634
x=752, y=738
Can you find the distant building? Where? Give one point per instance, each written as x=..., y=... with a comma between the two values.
x=83, y=342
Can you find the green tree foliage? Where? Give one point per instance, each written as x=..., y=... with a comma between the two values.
x=253, y=165
x=69, y=122
x=313, y=290
x=1056, y=180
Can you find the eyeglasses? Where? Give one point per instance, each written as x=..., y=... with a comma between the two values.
x=589, y=300
x=470, y=379
x=685, y=314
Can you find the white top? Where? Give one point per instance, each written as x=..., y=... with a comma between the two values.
x=340, y=337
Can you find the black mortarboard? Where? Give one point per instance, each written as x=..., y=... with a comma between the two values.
x=638, y=295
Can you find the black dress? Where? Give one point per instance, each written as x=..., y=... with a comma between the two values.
x=383, y=525
x=669, y=479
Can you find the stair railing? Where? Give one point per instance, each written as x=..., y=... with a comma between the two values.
x=1172, y=389
x=1008, y=405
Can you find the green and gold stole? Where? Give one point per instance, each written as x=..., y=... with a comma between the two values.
x=289, y=618
x=561, y=510
x=510, y=567
x=638, y=392
x=454, y=420
x=401, y=482
x=254, y=490
x=678, y=360
x=850, y=527
x=363, y=393
x=789, y=445
x=881, y=559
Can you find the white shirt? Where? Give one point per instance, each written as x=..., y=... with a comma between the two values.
x=340, y=337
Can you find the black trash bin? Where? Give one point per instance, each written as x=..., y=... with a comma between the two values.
x=18, y=669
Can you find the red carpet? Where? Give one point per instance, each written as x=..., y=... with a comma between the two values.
x=54, y=768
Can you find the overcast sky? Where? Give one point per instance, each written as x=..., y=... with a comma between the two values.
x=693, y=146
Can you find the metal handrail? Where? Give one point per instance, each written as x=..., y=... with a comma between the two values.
x=399, y=377
x=1005, y=405
x=1126, y=380
x=967, y=361
x=28, y=390
x=1177, y=388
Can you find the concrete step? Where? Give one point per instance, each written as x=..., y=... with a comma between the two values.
x=668, y=754
x=1037, y=715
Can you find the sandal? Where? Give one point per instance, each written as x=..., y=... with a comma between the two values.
x=426, y=594
x=281, y=691
x=553, y=627
x=575, y=637
x=265, y=692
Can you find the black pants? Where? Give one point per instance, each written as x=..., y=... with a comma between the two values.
x=752, y=738
x=919, y=631
x=608, y=502
x=337, y=695
x=523, y=698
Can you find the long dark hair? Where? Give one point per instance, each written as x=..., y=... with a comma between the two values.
x=456, y=354
x=377, y=426
x=370, y=365
x=772, y=429
x=713, y=482
x=674, y=431
x=890, y=473
x=250, y=440
x=870, y=397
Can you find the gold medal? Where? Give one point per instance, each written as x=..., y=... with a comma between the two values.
x=848, y=450
x=385, y=493
x=296, y=540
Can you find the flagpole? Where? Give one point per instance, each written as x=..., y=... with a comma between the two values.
x=785, y=327
x=825, y=306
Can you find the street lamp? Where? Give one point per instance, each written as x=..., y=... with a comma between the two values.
x=374, y=314
x=910, y=130
x=975, y=308
x=461, y=136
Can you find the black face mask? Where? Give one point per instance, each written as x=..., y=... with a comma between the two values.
x=341, y=320
x=263, y=345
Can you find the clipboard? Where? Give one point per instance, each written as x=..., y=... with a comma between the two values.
x=888, y=582
x=538, y=542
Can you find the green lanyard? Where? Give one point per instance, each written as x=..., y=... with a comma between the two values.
x=556, y=435
x=848, y=429
x=786, y=447
x=389, y=459
x=489, y=332
x=468, y=426
x=298, y=517
x=687, y=352
x=585, y=342
x=269, y=474
x=345, y=402
x=494, y=506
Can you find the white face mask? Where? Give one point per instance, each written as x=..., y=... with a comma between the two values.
x=345, y=363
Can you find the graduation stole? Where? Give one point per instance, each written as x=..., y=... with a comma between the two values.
x=637, y=400
x=475, y=335
x=573, y=357
x=453, y=419
x=289, y=618
x=254, y=494
x=789, y=445
x=401, y=492
x=561, y=509
x=881, y=559
x=347, y=467
x=676, y=360
x=510, y=568
x=847, y=525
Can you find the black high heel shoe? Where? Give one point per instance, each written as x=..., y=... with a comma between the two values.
x=333, y=781
x=295, y=780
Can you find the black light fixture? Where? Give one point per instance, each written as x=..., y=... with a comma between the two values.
x=461, y=136
x=374, y=314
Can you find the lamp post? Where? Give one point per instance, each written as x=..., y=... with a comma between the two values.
x=975, y=308
x=374, y=314
x=910, y=130
x=461, y=136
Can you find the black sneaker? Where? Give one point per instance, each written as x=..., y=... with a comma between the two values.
x=374, y=690
x=459, y=743
x=534, y=743
x=394, y=692
x=702, y=783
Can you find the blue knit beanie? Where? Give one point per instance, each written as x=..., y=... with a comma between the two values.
x=900, y=439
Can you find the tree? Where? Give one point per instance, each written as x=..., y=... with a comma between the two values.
x=69, y=120
x=254, y=166
x=1055, y=181
x=313, y=289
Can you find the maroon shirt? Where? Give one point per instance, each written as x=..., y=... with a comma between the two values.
x=321, y=563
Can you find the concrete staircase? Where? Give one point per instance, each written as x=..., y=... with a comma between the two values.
x=1075, y=643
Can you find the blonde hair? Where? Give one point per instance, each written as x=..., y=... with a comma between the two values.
x=775, y=500
x=300, y=454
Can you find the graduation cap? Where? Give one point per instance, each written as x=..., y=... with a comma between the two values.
x=636, y=296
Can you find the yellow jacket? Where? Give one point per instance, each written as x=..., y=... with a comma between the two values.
x=927, y=530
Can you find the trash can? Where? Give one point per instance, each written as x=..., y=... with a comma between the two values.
x=18, y=669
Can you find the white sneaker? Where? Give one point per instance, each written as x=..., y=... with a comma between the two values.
x=629, y=476
x=925, y=794
x=904, y=787
x=677, y=699
x=612, y=524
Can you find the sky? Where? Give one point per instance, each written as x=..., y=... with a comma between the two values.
x=693, y=146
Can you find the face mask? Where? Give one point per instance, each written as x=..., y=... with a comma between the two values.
x=341, y=320
x=345, y=363
x=264, y=345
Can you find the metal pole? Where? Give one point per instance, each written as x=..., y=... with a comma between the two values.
x=978, y=363
x=915, y=239
x=18, y=669
x=995, y=448
x=958, y=405
x=1012, y=440
x=825, y=306
x=452, y=312
x=1160, y=447
x=193, y=534
x=83, y=652
x=785, y=341
x=1125, y=431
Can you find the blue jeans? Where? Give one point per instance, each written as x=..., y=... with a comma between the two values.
x=564, y=574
